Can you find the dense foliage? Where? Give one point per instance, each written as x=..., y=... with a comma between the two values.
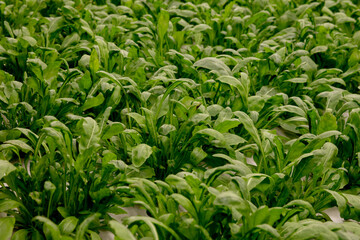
x=221, y=119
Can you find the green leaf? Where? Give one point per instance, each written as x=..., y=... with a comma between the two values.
x=140, y=154
x=328, y=81
x=94, y=62
x=292, y=109
x=211, y=133
x=93, y=101
x=138, y=118
x=85, y=81
x=186, y=203
x=353, y=200
x=215, y=65
x=327, y=123
x=103, y=118
x=21, y=145
x=268, y=229
x=6, y=227
x=50, y=225
x=249, y=126
x=165, y=129
x=233, y=139
x=232, y=81
x=81, y=230
x=113, y=130
x=259, y=181
x=93, y=235
x=230, y=199
x=20, y=234
x=269, y=216
x=214, y=173
x=120, y=231
x=297, y=80
x=51, y=73
x=342, y=18
x=179, y=183
x=150, y=222
x=68, y=225
x=227, y=125
x=201, y=28
x=163, y=24
x=340, y=200
x=317, y=231
x=70, y=39
x=88, y=141
x=63, y=212
x=317, y=162
x=49, y=186
x=166, y=94
x=56, y=24
x=245, y=170
x=295, y=55
x=308, y=65
x=6, y=168
x=197, y=155
x=351, y=71
x=86, y=27
x=90, y=134
x=318, y=49
x=302, y=203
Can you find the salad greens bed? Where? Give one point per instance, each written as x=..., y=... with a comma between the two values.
x=219, y=119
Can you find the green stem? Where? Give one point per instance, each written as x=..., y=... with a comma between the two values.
x=37, y=148
x=49, y=205
x=216, y=93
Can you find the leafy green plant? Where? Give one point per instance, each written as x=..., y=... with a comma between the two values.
x=214, y=119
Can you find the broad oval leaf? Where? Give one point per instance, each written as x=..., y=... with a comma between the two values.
x=20, y=234
x=5, y=168
x=140, y=154
x=81, y=230
x=213, y=64
x=68, y=225
x=90, y=134
x=6, y=227
x=51, y=226
x=186, y=203
x=121, y=231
